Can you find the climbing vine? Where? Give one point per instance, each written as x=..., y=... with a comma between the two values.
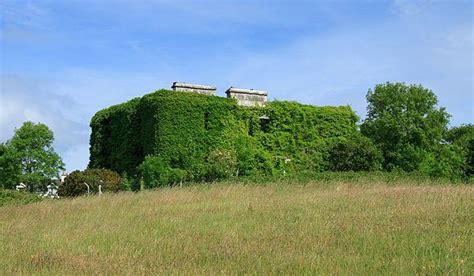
x=194, y=133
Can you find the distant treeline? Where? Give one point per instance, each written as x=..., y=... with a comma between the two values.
x=168, y=137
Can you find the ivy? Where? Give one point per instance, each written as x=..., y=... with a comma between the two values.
x=193, y=132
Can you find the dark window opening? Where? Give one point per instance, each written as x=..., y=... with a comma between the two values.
x=265, y=123
x=206, y=120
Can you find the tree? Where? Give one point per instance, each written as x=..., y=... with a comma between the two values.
x=404, y=122
x=446, y=161
x=10, y=169
x=463, y=137
x=354, y=153
x=32, y=148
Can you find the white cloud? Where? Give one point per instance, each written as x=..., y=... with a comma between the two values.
x=23, y=99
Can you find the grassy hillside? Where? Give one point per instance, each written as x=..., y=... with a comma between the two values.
x=338, y=228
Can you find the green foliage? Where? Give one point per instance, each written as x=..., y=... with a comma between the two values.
x=297, y=136
x=221, y=164
x=116, y=134
x=404, y=123
x=447, y=161
x=354, y=153
x=463, y=137
x=182, y=128
x=194, y=137
x=12, y=197
x=213, y=138
x=156, y=173
x=31, y=149
x=74, y=183
x=10, y=170
x=126, y=184
x=252, y=158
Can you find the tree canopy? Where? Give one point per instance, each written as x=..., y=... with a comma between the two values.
x=405, y=123
x=29, y=156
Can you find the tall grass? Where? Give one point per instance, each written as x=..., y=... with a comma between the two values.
x=336, y=227
x=13, y=197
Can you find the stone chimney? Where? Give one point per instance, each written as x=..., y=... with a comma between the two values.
x=247, y=97
x=194, y=88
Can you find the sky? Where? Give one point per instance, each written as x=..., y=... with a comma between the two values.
x=62, y=61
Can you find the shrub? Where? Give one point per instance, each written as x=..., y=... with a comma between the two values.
x=221, y=164
x=447, y=161
x=156, y=173
x=252, y=159
x=74, y=183
x=355, y=153
x=126, y=183
x=12, y=197
x=463, y=137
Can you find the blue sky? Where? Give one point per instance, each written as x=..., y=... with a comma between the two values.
x=62, y=61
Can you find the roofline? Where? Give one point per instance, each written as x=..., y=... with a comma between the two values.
x=246, y=91
x=195, y=86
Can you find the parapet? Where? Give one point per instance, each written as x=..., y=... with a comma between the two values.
x=247, y=97
x=195, y=88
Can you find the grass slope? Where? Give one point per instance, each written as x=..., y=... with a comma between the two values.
x=341, y=228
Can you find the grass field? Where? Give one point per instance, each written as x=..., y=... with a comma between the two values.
x=336, y=228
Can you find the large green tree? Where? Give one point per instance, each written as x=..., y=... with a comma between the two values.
x=405, y=123
x=31, y=150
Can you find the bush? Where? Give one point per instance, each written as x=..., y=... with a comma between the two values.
x=155, y=172
x=221, y=164
x=252, y=159
x=13, y=197
x=355, y=153
x=74, y=183
x=126, y=183
x=447, y=161
x=463, y=137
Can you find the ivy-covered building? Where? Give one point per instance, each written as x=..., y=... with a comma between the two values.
x=209, y=136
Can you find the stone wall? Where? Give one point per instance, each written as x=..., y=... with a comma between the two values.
x=195, y=88
x=247, y=97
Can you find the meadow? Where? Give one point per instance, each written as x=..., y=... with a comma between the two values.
x=317, y=227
